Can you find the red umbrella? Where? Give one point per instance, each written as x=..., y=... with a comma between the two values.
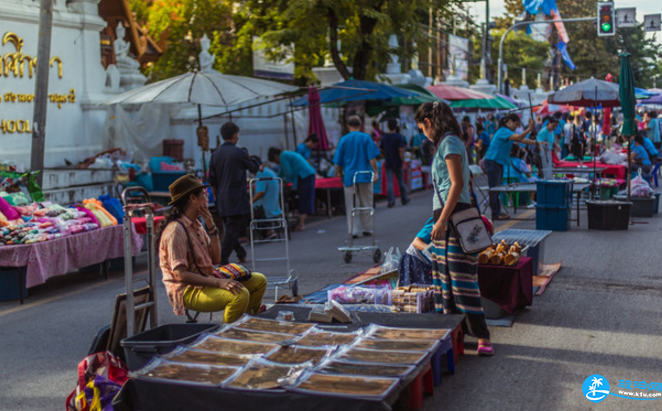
x=315, y=121
x=457, y=93
x=545, y=108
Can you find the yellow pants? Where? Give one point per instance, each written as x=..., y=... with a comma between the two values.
x=211, y=299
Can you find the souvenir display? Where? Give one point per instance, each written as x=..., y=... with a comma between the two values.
x=224, y=345
x=392, y=333
x=501, y=253
x=296, y=355
x=250, y=335
x=381, y=356
x=203, y=374
x=262, y=324
x=347, y=385
x=263, y=375
x=369, y=370
x=396, y=345
x=320, y=338
x=188, y=355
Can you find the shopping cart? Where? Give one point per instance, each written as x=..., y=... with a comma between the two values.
x=372, y=249
x=289, y=281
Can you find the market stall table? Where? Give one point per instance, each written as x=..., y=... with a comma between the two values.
x=617, y=171
x=510, y=288
x=328, y=184
x=62, y=255
x=532, y=188
x=573, y=171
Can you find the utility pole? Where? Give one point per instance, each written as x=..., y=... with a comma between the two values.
x=522, y=23
x=41, y=89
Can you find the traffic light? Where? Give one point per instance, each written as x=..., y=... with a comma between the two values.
x=606, y=19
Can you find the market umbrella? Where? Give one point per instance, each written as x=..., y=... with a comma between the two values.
x=508, y=98
x=374, y=107
x=587, y=93
x=451, y=93
x=495, y=103
x=642, y=93
x=655, y=99
x=315, y=121
x=357, y=90
x=545, y=108
x=209, y=88
x=626, y=93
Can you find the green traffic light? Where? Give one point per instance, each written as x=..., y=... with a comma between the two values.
x=606, y=27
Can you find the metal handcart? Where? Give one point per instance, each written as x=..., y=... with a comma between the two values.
x=350, y=248
x=289, y=281
x=148, y=305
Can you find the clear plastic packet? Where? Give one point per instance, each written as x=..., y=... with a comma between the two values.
x=199, y=374
x=208, y=342
x=193, y=356
x=261, y=374
x=267, y=325
x=294, y=354
x=332, y=366
x=396, y=333
x=355, y=386
x=362, y=355
x=360, y=295
x=235, y=333
x=320, y=338
x=397, y=345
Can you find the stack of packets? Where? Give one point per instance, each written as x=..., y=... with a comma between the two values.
x=501, y=254
x=413, y=298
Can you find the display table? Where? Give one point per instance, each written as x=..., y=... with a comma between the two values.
x=328, y=184
x=509, y=287
x=60, y=256
x=608, y=170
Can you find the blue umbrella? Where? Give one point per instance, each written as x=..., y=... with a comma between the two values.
x=357, y=90
x=655, y=98
x=641, y=93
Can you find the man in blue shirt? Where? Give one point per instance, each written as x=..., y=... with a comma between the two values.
x=296, y=170
x=498, y=156
x=653, y=127
x=267, y=197
x=356, y=152
x=393, y=146
x=639, y=157
x=307, y=146
x=547, y=139
x=483, y=141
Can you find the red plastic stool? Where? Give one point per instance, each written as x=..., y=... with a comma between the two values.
x=458, y=342
x=422, y=383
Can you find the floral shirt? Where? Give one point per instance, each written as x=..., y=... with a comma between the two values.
x=174, y=252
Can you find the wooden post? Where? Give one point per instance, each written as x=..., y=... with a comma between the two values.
x=41, y=88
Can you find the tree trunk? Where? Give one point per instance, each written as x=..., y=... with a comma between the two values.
x=362, y=56
x=333, y=39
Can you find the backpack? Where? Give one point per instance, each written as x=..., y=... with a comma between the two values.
x=100, y=378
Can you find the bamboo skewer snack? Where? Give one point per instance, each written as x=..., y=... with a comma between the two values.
x=501, y=254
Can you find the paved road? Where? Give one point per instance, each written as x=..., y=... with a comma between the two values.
x=600, y=315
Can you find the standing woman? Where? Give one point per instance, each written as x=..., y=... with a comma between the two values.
x=497, y=157
x=454, y=274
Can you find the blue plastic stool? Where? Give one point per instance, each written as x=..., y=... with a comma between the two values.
x=655, y=172
x=445, y=348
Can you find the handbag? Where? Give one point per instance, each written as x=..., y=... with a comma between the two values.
x=229, y=271
x=469, y=227
x=100, y=377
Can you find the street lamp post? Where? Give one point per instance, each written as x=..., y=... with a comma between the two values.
x=522, y=23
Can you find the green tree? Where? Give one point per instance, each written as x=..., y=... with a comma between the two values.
x=183, y=23
x=350, y=33
x=520, y=51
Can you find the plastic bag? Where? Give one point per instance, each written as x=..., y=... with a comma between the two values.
x=391, y=260
x=640, y=187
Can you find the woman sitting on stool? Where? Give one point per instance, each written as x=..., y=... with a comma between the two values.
x=188, y=253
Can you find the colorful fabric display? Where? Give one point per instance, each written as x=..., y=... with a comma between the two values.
x=103, y=216
x=113, y=206
x=7, y=210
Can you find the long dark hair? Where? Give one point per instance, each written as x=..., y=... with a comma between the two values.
x=442, y=119
x=177, y=211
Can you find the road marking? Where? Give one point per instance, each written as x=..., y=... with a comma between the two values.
x=509, y=224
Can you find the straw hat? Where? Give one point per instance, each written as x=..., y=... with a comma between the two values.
x=183, y=186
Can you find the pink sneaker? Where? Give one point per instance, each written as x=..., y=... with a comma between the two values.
x=485, y=349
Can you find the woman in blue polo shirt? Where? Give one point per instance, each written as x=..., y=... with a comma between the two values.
x=639, y=156
x=498, y=156
x=296, y=170
x=653, y=154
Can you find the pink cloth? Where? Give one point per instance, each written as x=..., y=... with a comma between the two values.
x=332, y=182
x=616, y=171
x=60, y=256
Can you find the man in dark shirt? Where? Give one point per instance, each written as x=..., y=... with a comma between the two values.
x=227, y=177
x=393, y=148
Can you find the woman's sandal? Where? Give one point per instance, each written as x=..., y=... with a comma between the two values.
x=485, y=349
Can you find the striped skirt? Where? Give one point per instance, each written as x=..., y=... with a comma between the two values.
x=454, y=278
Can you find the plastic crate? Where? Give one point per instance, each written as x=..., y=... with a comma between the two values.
x=641, y=206
x=9, y=288
x=141, y=348
x=608, y=215
x=554, y=193
x=553, y=218
x=413, y=301
x=161, y=180
x=607, y=192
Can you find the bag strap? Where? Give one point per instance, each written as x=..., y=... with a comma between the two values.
x=190, y=247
